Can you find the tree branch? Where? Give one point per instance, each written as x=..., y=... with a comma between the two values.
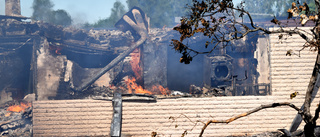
x=248, y=113
x=223, y=26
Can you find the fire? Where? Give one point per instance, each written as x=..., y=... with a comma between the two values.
x=19, y=108
x=132, y=85
x=56, y=49
x=160, y=89
x=135, y=61
x=8, y=114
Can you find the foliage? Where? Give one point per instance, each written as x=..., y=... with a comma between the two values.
x=275, y=7
x=161, y=13
x=219, y=20
x=42, y=10
x=311, y=5
x=251, y=6
x=214, y=19
x=116, y=13
x=180, y=7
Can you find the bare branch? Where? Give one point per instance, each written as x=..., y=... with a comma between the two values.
x=273, y=105
x=316, y=115
x=294, y=31
x=185, y=132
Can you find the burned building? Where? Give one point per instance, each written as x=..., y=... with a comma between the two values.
x=234, y=69
x=71, y=76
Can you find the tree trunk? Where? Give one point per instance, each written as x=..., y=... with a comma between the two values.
x=309, y=129
x=308, y=118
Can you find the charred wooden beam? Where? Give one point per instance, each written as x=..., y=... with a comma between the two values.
x=116, y=124
x=14, y=43
x=14, y=17
x=137, y=23
x=113, y=63
x=141, y=98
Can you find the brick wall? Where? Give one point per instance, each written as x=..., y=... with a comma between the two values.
x=71, y=118
x=287, y=74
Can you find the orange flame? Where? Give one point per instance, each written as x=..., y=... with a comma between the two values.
x=132, y=85
x=160, y=89
x=8, y=114
x=135, y=61
x=56, y=49
x=19, y=108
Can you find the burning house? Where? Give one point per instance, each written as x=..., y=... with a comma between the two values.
x=129, y=82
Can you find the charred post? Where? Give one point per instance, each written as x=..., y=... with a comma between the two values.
x=13, y=8
x=116, y=123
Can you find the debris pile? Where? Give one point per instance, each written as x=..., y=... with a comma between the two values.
x=16, y=119
x=106, y=93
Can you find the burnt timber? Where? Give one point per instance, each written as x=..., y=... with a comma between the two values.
x=44, y=49
x=53, y=56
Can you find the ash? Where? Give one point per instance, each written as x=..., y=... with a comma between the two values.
x=97, y=92
x=15, y=123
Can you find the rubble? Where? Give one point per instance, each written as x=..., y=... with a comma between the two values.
x=49, y=48
x=15, y=123
x=208, y=92
x=106, y=93
x=63, y=57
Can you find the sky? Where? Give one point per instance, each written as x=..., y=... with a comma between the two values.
x=81, y=11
